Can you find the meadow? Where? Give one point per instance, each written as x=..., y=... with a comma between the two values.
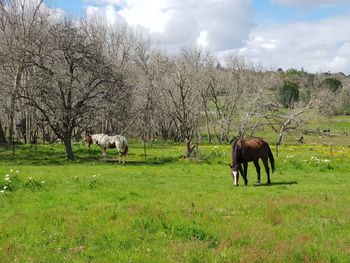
x=162, y=208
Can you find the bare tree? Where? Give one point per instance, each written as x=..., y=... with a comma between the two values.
x=70, y=75
x=19, y=23
x=227, y=88
x=182, y=94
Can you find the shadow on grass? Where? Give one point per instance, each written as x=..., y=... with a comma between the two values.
x=151, y=161
x=62, y=160
x=277, y=183
x=53, y=155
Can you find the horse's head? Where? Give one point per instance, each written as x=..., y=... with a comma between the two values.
x=236, y=157
x=234, y=172
x=88, y=140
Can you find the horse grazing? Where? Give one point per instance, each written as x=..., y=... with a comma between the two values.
x=250, y=150
x=109, y=142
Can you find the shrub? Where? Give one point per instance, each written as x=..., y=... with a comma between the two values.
x=332, y=84
x=288, y=94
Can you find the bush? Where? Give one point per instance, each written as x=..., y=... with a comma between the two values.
x=288, y=94
x=332, y=84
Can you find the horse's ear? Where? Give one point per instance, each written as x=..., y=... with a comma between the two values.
x=230, y=165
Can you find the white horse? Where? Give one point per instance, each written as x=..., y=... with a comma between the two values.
x=109, y=142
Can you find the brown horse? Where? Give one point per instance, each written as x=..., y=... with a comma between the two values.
x=250, y=150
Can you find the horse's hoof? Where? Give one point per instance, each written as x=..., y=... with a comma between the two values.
x=268, y=183
x=257, y=184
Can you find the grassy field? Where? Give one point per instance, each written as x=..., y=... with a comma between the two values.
x=161, y=208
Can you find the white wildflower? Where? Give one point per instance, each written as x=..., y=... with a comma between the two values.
x=30, y=178
x=5, y=187
x=94, y=176
x=326, y=161
x=215, y=147
x=17, y=171
x=42, y=182
x=7, y=179
x=2, y=191
x=7, y=176
x=11, y=170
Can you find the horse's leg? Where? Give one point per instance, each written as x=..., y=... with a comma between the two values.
x=257, y=167
x=267, y=169
x=245, y=175
x=119, y=155
x=103, y=151
x=240, y=171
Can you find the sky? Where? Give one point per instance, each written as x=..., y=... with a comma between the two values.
x=309, y=34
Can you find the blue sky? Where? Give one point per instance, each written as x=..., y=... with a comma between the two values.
x=313, y=34
x=71, y=7
x=268, y=12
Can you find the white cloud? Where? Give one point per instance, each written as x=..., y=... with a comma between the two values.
x=152, y=15
x=223, y=25
x=316, y=46
x=202, y=40
x=107, y=12
x=216, y=24
x=307, y=3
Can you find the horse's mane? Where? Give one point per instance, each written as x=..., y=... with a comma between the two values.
x=235, y=148
x=235, y=139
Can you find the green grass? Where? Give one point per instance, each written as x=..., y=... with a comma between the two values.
x=161, y=208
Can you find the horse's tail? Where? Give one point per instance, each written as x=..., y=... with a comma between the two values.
x=125, y=148
x=272, y=160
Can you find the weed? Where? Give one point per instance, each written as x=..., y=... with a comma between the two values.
x=9, y=181
x=34, y=184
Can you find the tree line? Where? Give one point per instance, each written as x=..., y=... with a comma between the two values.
x=63, y=78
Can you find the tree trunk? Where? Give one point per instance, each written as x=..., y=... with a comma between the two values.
x=207, y=122
x=11, y=128
x=27, y=138
x=17, y=84
x=68, y=144
x=144, y=148
x=188, y=148
x=2, y=135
